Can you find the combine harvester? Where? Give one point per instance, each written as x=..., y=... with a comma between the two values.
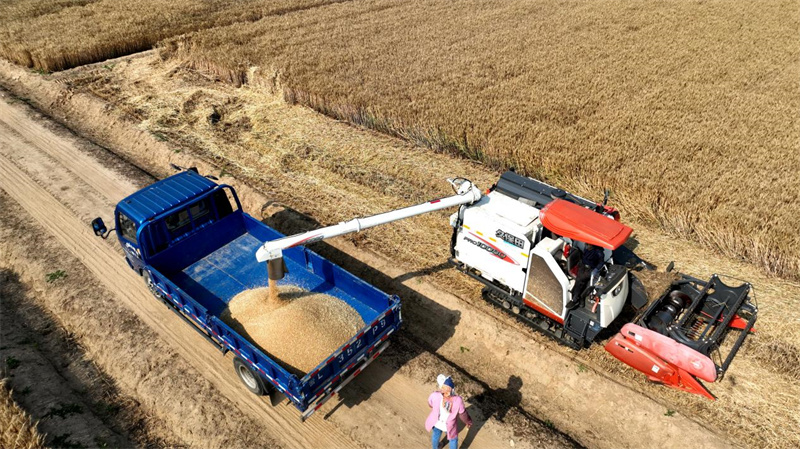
x=523, y=239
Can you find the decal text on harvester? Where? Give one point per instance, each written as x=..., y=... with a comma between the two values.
x=509, y=238
x=491, y=249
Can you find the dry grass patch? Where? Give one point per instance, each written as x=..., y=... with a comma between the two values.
x=17, y=430
x=687, y=110
x=57, y=35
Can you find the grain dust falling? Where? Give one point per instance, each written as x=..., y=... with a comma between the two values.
x=273, y=291
x=298, y=328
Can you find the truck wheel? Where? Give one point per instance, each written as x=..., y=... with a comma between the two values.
x=250, y=379
x=148, y=280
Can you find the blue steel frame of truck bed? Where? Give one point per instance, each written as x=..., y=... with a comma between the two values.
x=325, y=380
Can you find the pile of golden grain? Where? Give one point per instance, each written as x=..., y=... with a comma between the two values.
x=297, y=328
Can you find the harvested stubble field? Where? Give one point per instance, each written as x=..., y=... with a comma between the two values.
x=686, y=110
x=57, y=35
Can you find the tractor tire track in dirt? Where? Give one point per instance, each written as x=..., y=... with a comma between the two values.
x=71, y=399
x=108, y=267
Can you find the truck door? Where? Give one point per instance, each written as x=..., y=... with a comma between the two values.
x=126, y=232
x=547, y=286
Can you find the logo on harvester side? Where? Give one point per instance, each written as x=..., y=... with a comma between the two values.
x=510, y=238
x=491, y=249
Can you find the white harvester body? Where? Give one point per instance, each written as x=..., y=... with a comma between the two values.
x=501, y=239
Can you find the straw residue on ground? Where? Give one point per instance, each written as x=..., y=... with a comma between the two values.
x=17, y=431
x=300, y=330
x=655, y=282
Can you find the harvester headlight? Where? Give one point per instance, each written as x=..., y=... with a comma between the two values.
x=617, y=290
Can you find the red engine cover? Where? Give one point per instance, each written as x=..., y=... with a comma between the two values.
x=579, y=223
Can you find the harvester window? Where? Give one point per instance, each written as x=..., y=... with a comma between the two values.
x=127, y=228
x=543, y=286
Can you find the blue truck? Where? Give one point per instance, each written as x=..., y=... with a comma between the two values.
x=188, y=237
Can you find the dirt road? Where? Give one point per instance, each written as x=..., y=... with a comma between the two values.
x=30, y=170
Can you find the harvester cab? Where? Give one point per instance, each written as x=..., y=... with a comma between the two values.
x=525, y=240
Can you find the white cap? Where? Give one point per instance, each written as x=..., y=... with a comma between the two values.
x=440, y=379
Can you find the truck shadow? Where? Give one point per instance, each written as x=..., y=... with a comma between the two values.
x=418, y=311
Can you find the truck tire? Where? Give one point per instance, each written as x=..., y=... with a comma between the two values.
x=251, y=380
x=151, y=285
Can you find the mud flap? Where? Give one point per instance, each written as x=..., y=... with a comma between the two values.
x=654, y=367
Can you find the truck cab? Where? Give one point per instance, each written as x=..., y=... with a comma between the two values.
x=165, y=213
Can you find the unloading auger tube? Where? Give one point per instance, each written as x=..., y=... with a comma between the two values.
x=272, y=251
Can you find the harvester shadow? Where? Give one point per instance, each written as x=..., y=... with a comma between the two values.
x=424, y=272
x=632, y=243
x=418, y=311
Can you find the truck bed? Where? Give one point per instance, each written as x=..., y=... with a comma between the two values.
x=196, y=250
x=218, y=277
x=200, y=274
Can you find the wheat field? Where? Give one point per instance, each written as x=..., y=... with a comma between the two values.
x=332, y=172
x=688, y=111
x=57, y=35
x=17, y=431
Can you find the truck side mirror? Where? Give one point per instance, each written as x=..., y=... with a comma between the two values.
x=99, y=227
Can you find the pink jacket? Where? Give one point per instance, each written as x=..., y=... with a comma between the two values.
x=458, y=410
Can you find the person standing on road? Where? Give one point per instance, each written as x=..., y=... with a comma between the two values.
x=446, y=408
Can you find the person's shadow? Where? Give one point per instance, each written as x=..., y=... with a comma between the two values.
x=492, y=403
